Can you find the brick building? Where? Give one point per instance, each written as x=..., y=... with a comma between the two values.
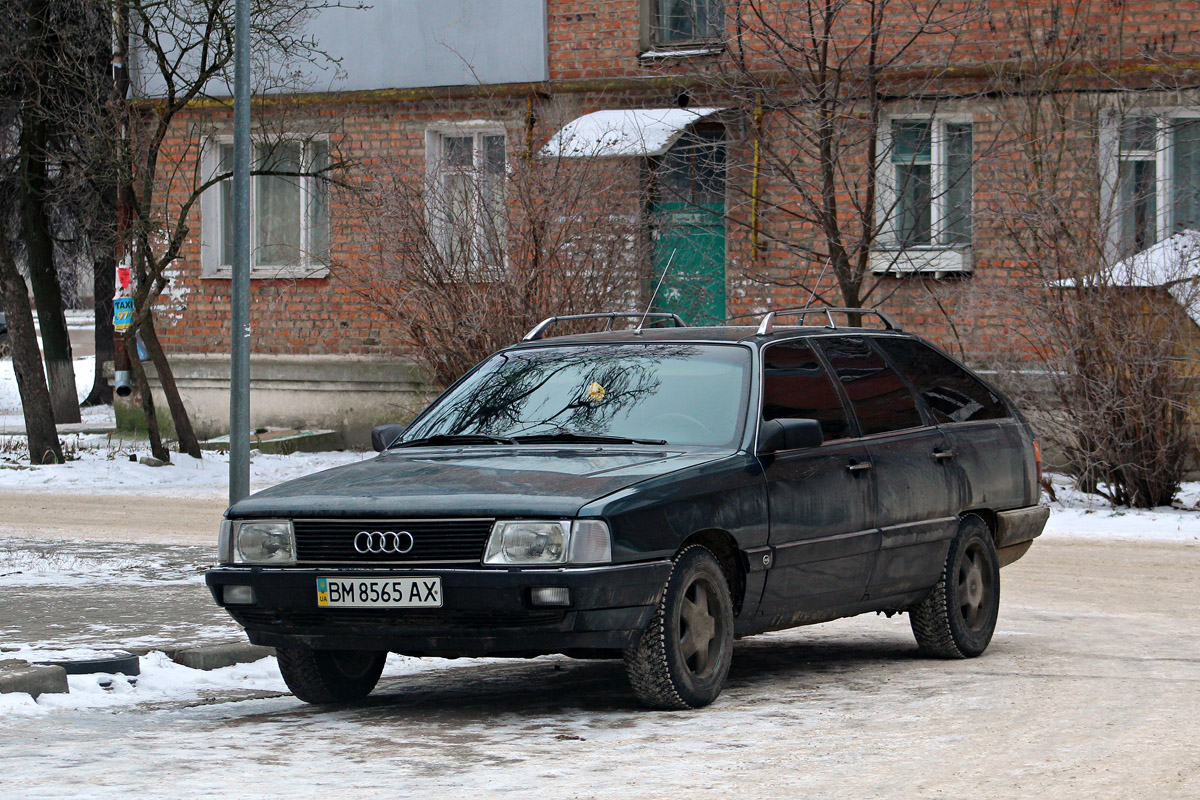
x=714, y=110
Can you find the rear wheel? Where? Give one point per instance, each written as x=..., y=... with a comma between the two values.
x=958, y=617
x=330, y=676
x=682, y=659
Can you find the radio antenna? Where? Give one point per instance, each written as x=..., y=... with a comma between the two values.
x=816, y=285
x=654, y=294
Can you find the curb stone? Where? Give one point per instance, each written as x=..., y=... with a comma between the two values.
x=32, y=679
x=211, y=656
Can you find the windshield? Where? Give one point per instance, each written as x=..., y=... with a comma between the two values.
x=675, y=393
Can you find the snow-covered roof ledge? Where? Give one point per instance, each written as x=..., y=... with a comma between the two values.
x=1172, y=264
x=623, y=132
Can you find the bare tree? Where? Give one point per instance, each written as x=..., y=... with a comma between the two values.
x=815, y=80
x=53, y=58
x=492, y=239
x=1111, y=296
x=185, y=53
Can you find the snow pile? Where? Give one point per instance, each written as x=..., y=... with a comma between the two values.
x=1078, y=515
x=163, y=681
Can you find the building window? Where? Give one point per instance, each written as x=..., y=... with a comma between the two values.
x=466, y=197
x=679, y=23
x=926, y=184
x=289, y=211
x=1157, y=179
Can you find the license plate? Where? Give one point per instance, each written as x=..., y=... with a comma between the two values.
x=379, y=592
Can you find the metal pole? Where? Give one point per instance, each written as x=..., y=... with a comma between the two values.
x=239, y=367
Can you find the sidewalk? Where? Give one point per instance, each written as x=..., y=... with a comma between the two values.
x=156, y=519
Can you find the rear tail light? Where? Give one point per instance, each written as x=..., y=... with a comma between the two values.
x=1037, y=459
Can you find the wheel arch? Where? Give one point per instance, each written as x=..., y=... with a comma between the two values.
x=987, y=515
x=724, y=546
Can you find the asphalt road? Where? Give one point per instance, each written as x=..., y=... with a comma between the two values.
x=1091, y=689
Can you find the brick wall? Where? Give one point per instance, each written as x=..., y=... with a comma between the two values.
x=595, y=64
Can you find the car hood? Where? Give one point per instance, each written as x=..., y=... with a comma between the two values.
x=526, y=480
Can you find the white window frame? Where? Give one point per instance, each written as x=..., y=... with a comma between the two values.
x=651, y=48
x=888, y=255
x=1111, y=158
x=212, y=231
x=434, y=173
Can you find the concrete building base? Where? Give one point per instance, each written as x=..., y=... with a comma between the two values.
x=349, y=395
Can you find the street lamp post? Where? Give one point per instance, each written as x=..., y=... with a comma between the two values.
x=239, y=367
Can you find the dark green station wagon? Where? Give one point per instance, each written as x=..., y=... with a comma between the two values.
x=649, y=494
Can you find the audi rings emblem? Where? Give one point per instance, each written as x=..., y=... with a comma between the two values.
x=376, y=542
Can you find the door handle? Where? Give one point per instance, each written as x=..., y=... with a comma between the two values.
x=857, y=466
x=943, y=455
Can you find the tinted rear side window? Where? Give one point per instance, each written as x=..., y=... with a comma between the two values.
x=796, y=386
x=881, y=401
x=952, y=393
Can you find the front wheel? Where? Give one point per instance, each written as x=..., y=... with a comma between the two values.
x=958, y=617
x=682, y=659
x=330, y=676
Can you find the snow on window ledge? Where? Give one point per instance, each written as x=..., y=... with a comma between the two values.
x=689, y=51
x=938, y=260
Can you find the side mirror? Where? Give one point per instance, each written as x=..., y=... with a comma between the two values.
x=789, y=434
x=382, y=436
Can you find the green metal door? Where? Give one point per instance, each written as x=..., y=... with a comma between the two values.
x=688, y=228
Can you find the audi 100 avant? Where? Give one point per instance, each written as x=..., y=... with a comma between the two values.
x=648, y=494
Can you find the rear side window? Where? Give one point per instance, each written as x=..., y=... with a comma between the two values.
x=881, y=401
x=952, y=393
x=796, y=386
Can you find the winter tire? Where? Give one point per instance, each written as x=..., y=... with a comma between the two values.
x=958, y=617
x=682, y=658
x=330, y=676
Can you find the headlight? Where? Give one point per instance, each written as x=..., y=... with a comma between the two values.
x=258, y=541
x=557, y=542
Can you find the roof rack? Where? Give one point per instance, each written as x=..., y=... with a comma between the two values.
x=767, y=326
x=611, y=316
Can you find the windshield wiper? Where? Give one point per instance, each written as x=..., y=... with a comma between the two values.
x=583, y=438
x=453, y=438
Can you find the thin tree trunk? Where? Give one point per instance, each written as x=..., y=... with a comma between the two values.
x=40, y=431
x=39, y=243
x=104, y=285
x=143, y=386
x=188, y=443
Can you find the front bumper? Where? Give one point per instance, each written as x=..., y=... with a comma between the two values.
x=484, y=611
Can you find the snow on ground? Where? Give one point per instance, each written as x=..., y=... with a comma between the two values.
x=59, y=564
x=10, y=396
x=110, y=471
x=1078, y=515
x=163, y=681
x=103, y=464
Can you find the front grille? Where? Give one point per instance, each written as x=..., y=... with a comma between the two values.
x=434, y=540
x=401, y=619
